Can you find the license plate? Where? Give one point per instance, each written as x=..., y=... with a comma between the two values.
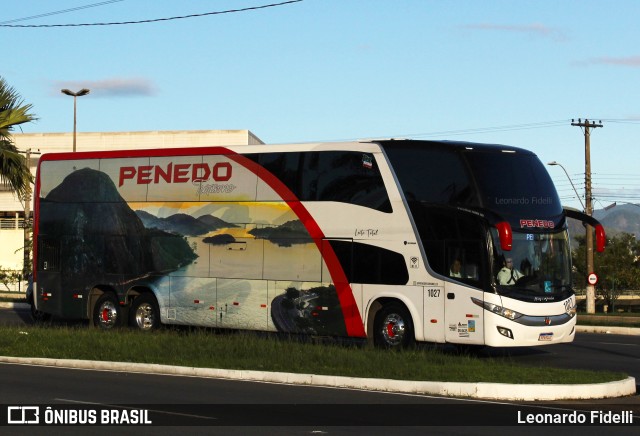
x=545, y=336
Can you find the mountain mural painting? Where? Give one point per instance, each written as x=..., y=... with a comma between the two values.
x=285, y=235
x=224, y=256
x=183, y=224
x=100, y=234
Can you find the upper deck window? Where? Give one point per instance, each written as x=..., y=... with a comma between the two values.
x=343, y=176
x=431, y=174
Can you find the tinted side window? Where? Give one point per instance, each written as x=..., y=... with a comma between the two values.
x=453, y=242
x=348, y=177
x=285, y=166
x=342, y=176
x=431, y=175
x=364, y=263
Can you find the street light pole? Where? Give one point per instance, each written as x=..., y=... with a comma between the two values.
x=570, y=181
x=83, y=91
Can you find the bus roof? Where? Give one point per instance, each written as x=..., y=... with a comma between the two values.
x=458, y=145
x=364, y=145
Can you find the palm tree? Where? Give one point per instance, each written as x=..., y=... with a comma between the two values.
x=13, y=111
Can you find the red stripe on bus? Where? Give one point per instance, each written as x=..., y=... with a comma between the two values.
x=352, y=319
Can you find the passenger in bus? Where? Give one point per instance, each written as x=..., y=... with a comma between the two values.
x=508, y=275
x=456, y=269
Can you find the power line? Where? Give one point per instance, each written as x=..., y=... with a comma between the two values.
x=616, y=176
x=528, y=126
x=230, y=11
x=540, y=125
x=64, y=11
x=622, y=121
x=635, y=182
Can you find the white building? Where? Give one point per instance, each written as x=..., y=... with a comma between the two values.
x=12, y=210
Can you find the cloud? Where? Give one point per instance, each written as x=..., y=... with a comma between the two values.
x=629, y=61
x=535, y=29
x=113, y=87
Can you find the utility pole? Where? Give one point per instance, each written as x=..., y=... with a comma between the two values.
x=591, y=290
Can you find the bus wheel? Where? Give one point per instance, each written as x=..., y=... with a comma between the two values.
x=106, y=313
x=393, y=328
x=38, y=316
x=145, y=314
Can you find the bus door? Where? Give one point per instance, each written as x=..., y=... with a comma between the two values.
x=463, y=318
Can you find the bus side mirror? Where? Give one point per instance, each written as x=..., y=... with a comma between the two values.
x=601, y=238
x=505, y=235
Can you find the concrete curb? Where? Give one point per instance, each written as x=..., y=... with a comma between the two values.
x=489, y=391
x=11, y=305
x=632, y=331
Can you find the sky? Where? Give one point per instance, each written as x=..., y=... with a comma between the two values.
x=506, y=72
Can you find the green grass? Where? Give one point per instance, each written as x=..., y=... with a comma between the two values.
x=617, y=319
x=207, y=349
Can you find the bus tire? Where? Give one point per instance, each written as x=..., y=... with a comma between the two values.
x=106, y=313
x=145, y=313
x=393, y=327
x=38, y=316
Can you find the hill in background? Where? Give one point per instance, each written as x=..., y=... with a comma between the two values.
x=623, y=218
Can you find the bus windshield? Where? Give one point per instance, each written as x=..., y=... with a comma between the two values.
x=514, y=185
x=536, y=269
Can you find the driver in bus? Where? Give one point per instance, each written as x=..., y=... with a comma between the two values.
x=456, y=268
x=508, y=275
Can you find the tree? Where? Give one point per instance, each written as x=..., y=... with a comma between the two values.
x=13, y=112
x=8, y=277
x=618, y=267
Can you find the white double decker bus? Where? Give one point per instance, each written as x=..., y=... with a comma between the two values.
x=396, y=241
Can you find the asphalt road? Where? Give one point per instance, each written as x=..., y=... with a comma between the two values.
x=594, y=351
x=223, y=406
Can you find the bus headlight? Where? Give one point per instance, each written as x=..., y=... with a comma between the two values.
x=498, y=310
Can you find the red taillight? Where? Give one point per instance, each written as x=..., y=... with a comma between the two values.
x=505, y=235
x=601, y=238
